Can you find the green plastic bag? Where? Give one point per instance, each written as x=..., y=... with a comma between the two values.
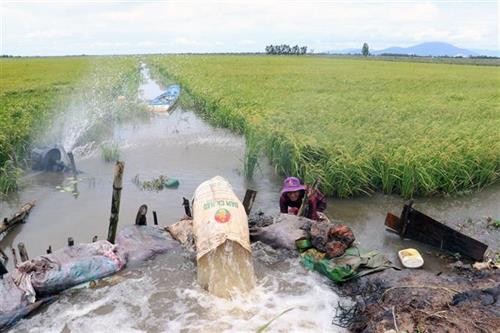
x=171, y=183
x=354, y=263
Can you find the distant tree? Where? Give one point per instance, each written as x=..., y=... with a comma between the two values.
x=285, y=49
x=365, y=50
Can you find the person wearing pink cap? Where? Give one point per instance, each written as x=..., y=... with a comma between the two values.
x=292, y=195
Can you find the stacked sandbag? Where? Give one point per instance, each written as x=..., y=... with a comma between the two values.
x=332, y=239
x=14, y=301
x=70, y=266
x=282, y=233
x=137, y=243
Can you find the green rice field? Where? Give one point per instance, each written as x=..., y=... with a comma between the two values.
x=33, y=91
x=415, y=129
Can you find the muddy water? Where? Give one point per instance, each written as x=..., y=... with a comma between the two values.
x=466, y=213
x=162, y=295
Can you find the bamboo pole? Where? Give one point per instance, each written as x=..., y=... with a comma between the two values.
x=115, y=200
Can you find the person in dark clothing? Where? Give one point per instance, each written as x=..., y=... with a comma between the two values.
x=292, y=195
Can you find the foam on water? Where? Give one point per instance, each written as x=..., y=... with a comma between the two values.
x=163, y=296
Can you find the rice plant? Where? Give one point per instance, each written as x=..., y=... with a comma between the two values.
x=359, y=125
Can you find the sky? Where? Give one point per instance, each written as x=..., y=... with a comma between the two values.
x=30, y=28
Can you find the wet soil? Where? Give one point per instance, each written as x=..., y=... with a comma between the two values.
x=461, y=300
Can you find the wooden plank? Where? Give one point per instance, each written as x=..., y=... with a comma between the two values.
x=249, y=200
x=415, y=225
x=19, y=217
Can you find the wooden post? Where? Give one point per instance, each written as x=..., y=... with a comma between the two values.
x=94, y=239
x=249, y=200
x=73, y=165
x=140, y=219
x=187, y=209
x=3, y=270
x=14, y=256
x=5, y=258
x=155, y=217
x=49, y=250
x=71, y=241
x=22, y=252
x=115, y=201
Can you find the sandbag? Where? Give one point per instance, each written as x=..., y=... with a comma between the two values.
x=283, y=233
x=218, y=215
x=70, y=266
x=220, y=226
x=182, y=231
x=14, y=301
x=137, y=243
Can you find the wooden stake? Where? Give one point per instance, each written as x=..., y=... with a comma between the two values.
x=115, y=201
x=14, y=256
x=73, y=165
x=22, y=252
x=49, y=250
x=140, y=219
x=155, y=217
x=3, y=270
x=249, y=200
x=71, y=241
x=5, y=258
x=187, y=209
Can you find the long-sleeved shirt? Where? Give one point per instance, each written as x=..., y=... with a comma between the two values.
x=317, y=203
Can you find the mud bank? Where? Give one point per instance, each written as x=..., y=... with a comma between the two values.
x=462, y=300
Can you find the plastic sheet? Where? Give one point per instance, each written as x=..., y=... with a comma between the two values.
x=137, y=243
x=70, y=266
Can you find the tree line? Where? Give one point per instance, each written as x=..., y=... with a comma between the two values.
x=286, y=49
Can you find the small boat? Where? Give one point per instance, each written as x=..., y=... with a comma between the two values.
x=165, y=101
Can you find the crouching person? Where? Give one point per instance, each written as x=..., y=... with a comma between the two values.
x=293, y=194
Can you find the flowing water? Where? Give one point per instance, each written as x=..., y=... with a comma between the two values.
x=162, y=295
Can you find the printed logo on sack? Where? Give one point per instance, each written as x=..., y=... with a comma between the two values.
x=222, y=215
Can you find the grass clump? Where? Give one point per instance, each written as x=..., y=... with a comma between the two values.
x=110, y=152
x=358, y=125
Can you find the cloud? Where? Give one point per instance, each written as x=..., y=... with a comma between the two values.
x=44, y=28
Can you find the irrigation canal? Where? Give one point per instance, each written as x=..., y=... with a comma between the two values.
x=162, y=295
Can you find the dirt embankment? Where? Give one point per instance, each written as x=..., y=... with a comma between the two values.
x=458, y=299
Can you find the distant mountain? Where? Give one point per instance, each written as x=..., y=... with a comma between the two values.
x=433, y=49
